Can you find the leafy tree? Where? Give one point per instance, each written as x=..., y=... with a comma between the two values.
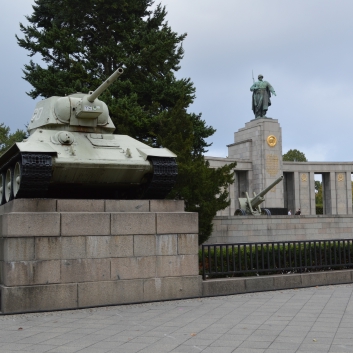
x=7, y=139
x=82, y=45
x=294, y=156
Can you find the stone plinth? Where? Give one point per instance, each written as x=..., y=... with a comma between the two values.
x=64, y=254
x=251, y=229
x=238, y=285
x=260, y=142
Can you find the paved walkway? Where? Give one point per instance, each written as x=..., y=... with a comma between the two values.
x=304, y=320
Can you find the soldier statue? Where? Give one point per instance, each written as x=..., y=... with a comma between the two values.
x=261, y=97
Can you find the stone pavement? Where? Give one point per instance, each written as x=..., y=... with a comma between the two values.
x=318, y=319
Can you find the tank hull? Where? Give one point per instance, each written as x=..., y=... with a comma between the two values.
x=55, y=163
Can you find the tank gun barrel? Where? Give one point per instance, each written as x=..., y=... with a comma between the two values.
x=259, y=198
x=112, y=78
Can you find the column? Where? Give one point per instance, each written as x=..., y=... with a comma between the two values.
x=329, y=185
x=312, y=193
x=349, y=192
x=296, y=199
x=341, y=192
x=304, y=193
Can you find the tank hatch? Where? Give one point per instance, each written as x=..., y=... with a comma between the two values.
x=102, y=140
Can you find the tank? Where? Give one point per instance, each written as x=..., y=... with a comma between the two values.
x=71, y=152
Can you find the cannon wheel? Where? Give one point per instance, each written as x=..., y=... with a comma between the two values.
x=239, y=212
x=266, y=212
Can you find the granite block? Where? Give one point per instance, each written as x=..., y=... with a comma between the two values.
x=180, y=265
x=85, y=270
x=80, y=205
x=24, y=273
x=125, y=223
x=144, y=245
x=109, y=246
x=172, y=288
x=133, y=267
x=169, y=223
x=17, y=249
x=127, y=206
x=38, y=298
x=30, y=224
x=167, y=206
x=85, y=223
x=166, y=244
x=110, y=293
x=30, y=205
x=60, y=248
x=188, y=244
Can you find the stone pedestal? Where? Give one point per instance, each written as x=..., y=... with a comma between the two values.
x=261, y=143
x=63, y=254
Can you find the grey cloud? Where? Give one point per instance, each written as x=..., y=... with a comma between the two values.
x=303, y=48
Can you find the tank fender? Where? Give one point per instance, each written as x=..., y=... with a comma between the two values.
x=155, y=152
x=35, y=147
x=25, y=147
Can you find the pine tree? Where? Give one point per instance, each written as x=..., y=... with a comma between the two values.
x=204, y=189
x=82, y=44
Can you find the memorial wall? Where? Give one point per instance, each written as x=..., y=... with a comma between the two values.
x=257, y=149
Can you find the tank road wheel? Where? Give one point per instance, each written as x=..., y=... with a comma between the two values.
x=265, y=212
x=8, y=185
x=2, y=188
x=17, y=177
x=239, y=212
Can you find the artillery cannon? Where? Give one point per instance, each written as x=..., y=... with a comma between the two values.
x=251, y=206
x=71, y=152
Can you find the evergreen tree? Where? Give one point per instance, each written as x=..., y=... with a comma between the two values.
x=204, y=189
x=82, y=45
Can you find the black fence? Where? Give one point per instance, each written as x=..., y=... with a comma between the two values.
x=240, y=259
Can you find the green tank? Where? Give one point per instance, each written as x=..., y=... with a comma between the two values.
x=71, y=152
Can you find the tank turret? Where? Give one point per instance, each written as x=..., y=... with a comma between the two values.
x=75, y=111
x=72, y=153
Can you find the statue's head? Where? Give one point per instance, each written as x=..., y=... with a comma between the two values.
x=260, y=77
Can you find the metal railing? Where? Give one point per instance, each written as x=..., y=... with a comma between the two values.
x=239, y=259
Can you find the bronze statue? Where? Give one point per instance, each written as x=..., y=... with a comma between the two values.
x=261, y=97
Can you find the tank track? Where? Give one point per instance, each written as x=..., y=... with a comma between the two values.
x=165, y=172
x=35, y=174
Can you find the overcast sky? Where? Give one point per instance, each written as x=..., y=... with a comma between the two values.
x=303, y=48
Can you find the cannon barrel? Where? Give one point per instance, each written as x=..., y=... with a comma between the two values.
x=259, y=197
x=105, y=85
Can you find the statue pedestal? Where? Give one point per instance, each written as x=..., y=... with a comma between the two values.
x=64, y=254
x=259, y=142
